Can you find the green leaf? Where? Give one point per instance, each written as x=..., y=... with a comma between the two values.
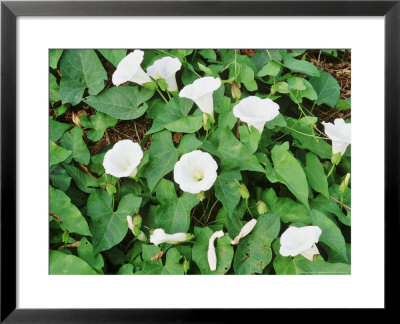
x=316, y=174
x=227, y=189
x=163, y=156
x=113, y=55
x=249, y=137
x=296, y=83
x=80, y=69
x=188, y=144
x=327, y=205
x=307, y=140
x=126, y=269
x=327, y=89
x=99, y=122
x=254, y=252
x=344, y=104
x=208, y=54
x=59, y=177
x=57, y=129
x=331, y=234
x=71, y=218
x=109, y=227
x=165, y=191
x=84, y=182
x=174, y=215
x=188, y=124
x=290, y=172
x=62, y=264
x=300, y=66
x=121, y=102
x=72, y=140
x=223, y=250
x=54, y=56
x=165, y=114
x=58, y=154
x=272, y=68
x=288, y=210
x=54, y=89
x=171, y=267
x=277, y=121
x=85, y=252
x=229, y=147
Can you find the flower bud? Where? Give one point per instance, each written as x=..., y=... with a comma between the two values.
x=76, y=119
x=142, y=237
x=243, y=191
x=345, y=183
x=186, y=266
x=137, y=220
x=261, y=207
x=236, y=92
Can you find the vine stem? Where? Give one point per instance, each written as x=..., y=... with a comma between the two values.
x=162, y=96
x=345, y=206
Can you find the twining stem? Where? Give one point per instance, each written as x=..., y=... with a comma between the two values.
x=341, y=203
x=212, y=207
x=331, y=170
x=162, y=96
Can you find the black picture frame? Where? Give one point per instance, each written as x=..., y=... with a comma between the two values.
x=10, y=10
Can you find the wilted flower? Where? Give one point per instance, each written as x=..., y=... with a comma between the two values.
x=211, y=255
x=159, y=236
x=246, y=229
x=300, y=240
x=165, y=68
x=256, y=111
x=201, y=92
x=123, y=159
x=129, y=69
x=195, y=172
x=340, y=134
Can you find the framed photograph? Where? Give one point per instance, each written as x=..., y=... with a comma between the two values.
x=195, y=154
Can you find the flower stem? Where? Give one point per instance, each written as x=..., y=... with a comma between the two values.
x=248, y=209
x=212, y=207
x=162, y=96
x=330, y=171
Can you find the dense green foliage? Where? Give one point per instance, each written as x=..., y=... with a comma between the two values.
x=286, y=167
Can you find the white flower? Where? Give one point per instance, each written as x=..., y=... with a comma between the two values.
x=123, y=159
x=129, y=69
x=201, y=92
x=300, y=240
x=165, y=68
x=246, y=229
x=159, y=236
x=256, y=111
x=211, y=255
x=195, y=172
x=340, y=134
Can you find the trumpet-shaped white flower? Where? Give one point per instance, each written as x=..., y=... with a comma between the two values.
x=129, y=69
x=300, y=240
x=195, y=172
x=246, y=229
x=165, y=68
x=256, y=111
x=123, y=159
x=340, y=134
x=211, y=255
x=159, y=236
x=201, y=92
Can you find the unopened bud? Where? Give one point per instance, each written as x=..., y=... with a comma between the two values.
x=345, y=183
x=236, y=92
x=186, y=266
x=136, y=230
x=142, y=237
x=137, y=220
x=261, y=207
x=243, y=191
